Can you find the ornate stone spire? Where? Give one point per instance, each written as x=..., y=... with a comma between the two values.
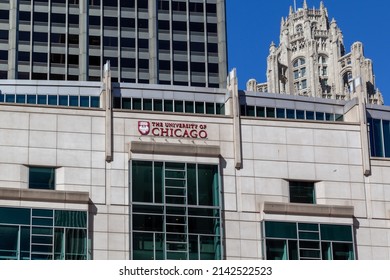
x=291, y=10
x=305, y=4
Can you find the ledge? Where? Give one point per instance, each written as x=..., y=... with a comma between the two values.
x=44, y=195
x=308, y=209
x=174, y=149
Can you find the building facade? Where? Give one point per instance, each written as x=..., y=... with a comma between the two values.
x=312, y=60
x=93, y=170
x=174, y=42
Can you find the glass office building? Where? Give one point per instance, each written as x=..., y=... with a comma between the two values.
x=173, y=42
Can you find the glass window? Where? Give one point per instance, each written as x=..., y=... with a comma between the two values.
x=189, y=106
x=168, y=105
x=302, y=192
x=182, y=199
x=199, y=107
x=157, y=105
x=270, y=112
x=260, y=112
x=148, y=104
x=179, y=106
x=281, y=241
x=73, y=100
x=280, y=113
x=42, y=178
x=300, y=114
x=137, y=104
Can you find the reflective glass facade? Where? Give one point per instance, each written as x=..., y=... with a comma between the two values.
x=308, y=241
x=42, y=234
x=379, y=137
x=175, y=211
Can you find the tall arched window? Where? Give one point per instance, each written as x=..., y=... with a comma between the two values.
x=348, y=81
x=299, y=72
x=299, y=28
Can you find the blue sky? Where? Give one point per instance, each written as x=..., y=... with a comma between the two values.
x=253, y=24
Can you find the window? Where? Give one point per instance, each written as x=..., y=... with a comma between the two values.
x=307, y=241
x=175, y=211
x=302, y=192
x=42, y=234
x=42, y=178
x=299, y=72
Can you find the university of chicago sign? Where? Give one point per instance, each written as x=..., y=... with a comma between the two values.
x=173, y=129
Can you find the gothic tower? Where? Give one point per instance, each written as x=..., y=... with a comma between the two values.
x=311, y=60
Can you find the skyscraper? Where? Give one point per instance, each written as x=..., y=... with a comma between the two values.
x=311, y=60
x=175, y=42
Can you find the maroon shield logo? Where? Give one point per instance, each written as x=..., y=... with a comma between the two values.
x=143, y=127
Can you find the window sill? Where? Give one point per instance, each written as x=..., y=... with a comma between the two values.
x=308, y=209
x=44, y=195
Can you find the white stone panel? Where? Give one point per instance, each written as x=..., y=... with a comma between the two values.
x=233, y=248
x=46, y=122
x=98, y=177
x=271, y=169
x=229, y=184
x=99, y=125
x=225, y=132
x=118, y=195
x=14, y=120
x=265, y=134
x=43, y=139
x=117, y=223
x=77, y=176
x=249, y=230
x=15, y=155
x=247, y=184
x=331, y=155
x=44, y=157
x=232, y=229
x=98, y=195
x=330, y=138
x=246, y=133
x=73, y=158
x=81, y=124
x=118, y=178
x=354, y=139
x=296, y=136
x=249, y=248
x=301, y=171
x=230, y=202
x=98, y=142
x=98, y=159
x=332, y=172
x=248, y=203
x=74, y=141
x=269, y=151
x=300, y=153
x=13, y=137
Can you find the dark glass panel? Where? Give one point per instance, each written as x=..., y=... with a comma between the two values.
x=210, y=108
x=64, y=218
x=126, y=103
x=9, y=215
x=276, y=249
x=147, y=222
x=158, y=182
x=208, y=185
x=336, y=232
x=147, y=104
x=157, y=105
x=342, y=251
x=20, y=98
x=168, y=105
x=143, y=246
x=300, y=114
x=75, y=244
x=189, y=106
x=260, y=112
x=137, y=104
x=199, y=107
x=41, y=178
x=302, y=192
x=73, y=100
x=142, y=181
x=63, y=100
x=320, y=116
x=280, y=230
